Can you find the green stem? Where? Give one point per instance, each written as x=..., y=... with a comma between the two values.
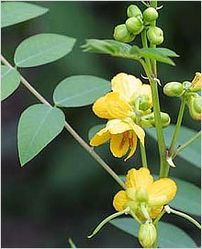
x=155, y=245
x=177, y=127
x=159, y=130
x=183, y=215
x=71, y=243
x=143, y=155
x=97, y=229
x=70, y=129
x=183, y=146
x=145, y=45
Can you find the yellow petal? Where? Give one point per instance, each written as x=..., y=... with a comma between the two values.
x=119, y=144
x=197, y=81
x=132, y=144
x=164, y=187
x=100, y=137
x=137, y=129
x=116, y=126
x=119, y=200
x=126, y=85
x=155, y=212
x=139, y=178
x=100, y=108
x=112, y=106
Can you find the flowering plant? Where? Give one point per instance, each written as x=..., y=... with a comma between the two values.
x=129, y=105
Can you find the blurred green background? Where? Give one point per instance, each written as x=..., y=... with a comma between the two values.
x=63, y=192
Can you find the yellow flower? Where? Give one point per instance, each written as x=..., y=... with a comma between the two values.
x=123, y=136
x=119, y=103
x=197, y=82
x=118, y=107
x=143, y=191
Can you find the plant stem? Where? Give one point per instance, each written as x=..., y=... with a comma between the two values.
x=186, y=216
x=69, y=129
x=159, y=130
x=143, y=156
x=177, y=127
x=183, y=146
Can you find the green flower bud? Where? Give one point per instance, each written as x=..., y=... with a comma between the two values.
x=194, y=104
x=148, y=121
x=186, y=85
x=155, y=35
x=150, y=14
x=142, y=195
x=133, y=10
x=144, y=103
x=147, y=235
x=122, y=34
x=173, y=89
x=134, y=25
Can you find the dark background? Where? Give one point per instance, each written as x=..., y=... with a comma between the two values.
x=63, y=192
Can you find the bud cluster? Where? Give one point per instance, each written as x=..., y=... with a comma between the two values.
x=136, y=23
x=189, y=91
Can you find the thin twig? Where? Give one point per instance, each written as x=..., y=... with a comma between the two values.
x=69, y=128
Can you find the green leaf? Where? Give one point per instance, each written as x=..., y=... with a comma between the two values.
x=170, y=236
x=38, y=125
x=188, y=197
x=10, y=80
x=167, y=52
x=111, y=47
x=80, y=90
x=156, y=54
x=192, y=153
x=42, y=49
x=16, y=12
x=93, y=130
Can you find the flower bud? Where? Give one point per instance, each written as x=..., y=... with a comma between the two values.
x=148, y=121
x=133, y=10
x=147, y=235
x=122, y=34
x=144, y=102
x=134, y=25
x=194, y=104
x=186, y=85
x=196, y=83
x=173, y=89
x=150, y=14
x=155, y=35
x=142, y=195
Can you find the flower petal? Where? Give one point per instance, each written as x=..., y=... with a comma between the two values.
x=164, y=188
x=126, y=85
x=112, y=106
x=155, y=212
x=133, y=144
x=137, y=129
x=100, y=137
x=197, y=81
x=119, y=144
x=116, y=126
x=139, y=178
x=119, y=200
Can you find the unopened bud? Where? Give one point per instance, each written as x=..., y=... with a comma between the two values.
x=144, y=102
x=122, y=34
x=173, y=89
x=142, y=195
x=194, y=104
x=147, y=235
x=186, y=85
x=133, y=10
x=134, y=25
x=150, y=14
x=148, y=121
x=196, y=83
x=155, y=35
